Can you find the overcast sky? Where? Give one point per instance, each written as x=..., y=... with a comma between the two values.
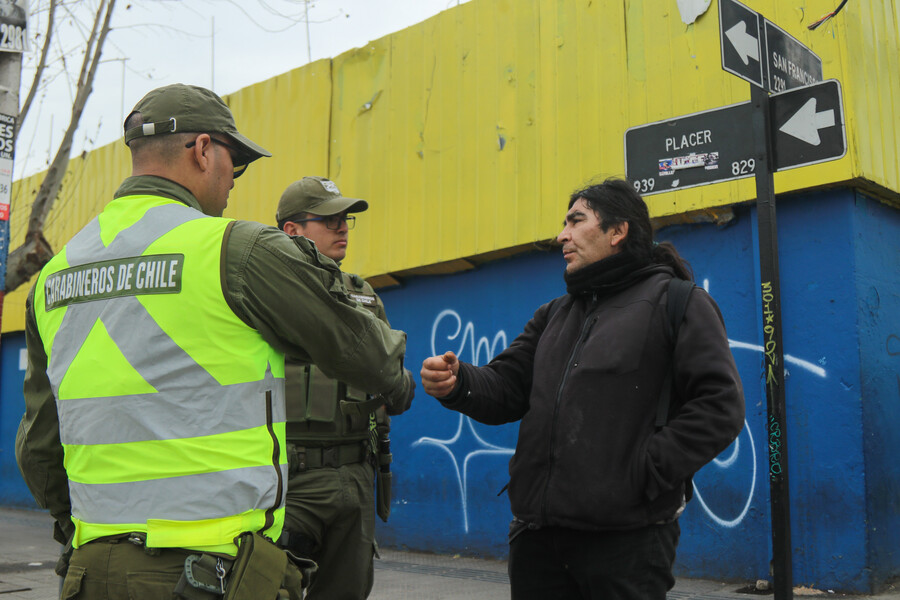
x=221, y=44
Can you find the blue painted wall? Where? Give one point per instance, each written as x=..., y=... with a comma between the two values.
x=877, y=251
x=840, y=277
x=13, y=491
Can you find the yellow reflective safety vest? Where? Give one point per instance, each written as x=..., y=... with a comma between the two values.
x=171, y=409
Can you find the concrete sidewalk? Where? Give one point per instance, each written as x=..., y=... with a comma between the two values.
x=28, y=554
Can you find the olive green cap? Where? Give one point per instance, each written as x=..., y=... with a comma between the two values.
x=180, y=108
x=318, y=196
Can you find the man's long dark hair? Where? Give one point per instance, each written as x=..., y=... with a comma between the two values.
x=616, y=201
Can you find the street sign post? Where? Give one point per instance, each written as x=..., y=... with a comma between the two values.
x=691, y=150
x=773, y=353
x=808, y=125
x=759, y=51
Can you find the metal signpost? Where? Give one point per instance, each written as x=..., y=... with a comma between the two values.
x=801, y=123
x=770, y=282
x=786, y=64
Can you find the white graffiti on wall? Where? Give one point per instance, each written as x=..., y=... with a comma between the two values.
x=466, y=429
x=725, y=463
x=490, y=348
x=466, y=436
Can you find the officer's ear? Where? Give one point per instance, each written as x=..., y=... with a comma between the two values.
x=201, y=148
x=292, y=228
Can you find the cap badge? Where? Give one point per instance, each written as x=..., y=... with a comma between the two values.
x=330, y=187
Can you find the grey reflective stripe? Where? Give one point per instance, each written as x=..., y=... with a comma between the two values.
x=228, y=493
x=177, y=413
x=87, y=246
x=139, y=338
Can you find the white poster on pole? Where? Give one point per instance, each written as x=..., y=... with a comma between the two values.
x=13, y=25
x=7, y=153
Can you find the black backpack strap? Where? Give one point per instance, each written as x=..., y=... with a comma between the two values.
x=676, y=303
x=553, y=308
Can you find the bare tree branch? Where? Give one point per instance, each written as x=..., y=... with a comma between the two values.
x=29, y=258
x=50, y=187
x=38, y=72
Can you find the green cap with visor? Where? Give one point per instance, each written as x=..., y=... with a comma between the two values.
x=180, y=108
x=318, y=196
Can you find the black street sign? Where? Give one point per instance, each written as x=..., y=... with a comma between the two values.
x=790, y=64
x=691, y=150
x=758, y=51
x=739, y=39
x=808, y=125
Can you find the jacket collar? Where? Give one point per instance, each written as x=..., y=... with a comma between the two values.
x=156, y=186
x=610, y=275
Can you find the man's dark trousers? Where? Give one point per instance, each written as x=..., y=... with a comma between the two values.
x=553, y=563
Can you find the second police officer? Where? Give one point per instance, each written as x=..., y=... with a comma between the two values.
x=337, y=435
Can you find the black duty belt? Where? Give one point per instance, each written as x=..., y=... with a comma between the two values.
x=329, y=456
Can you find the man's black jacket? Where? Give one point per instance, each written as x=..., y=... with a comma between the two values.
x=584, y=378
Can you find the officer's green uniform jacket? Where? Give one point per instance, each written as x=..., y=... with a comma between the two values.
x=276, y=285
x=315, y=413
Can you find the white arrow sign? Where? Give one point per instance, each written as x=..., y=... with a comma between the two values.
x=806, y=123
x=746, y=45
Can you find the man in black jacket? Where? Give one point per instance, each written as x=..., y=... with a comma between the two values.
x=596, y=483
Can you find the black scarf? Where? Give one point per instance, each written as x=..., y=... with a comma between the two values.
x=610, y=275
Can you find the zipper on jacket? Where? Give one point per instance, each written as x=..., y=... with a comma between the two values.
x=582, y=338
x=276, y=454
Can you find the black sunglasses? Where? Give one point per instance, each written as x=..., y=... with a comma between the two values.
x=332, y=222
x=238, y=169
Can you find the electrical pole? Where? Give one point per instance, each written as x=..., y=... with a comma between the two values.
x=10, y=78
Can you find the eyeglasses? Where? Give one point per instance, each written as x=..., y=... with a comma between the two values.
x=332, y=222
x=238, y=169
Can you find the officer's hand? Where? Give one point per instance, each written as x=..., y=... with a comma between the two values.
x=439, y=374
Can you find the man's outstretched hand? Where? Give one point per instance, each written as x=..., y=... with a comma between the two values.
x=439, y=374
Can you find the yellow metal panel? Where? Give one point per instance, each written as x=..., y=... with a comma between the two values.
x=289, y=116
x=454, y=169
x=871, y=86
x=360, y=140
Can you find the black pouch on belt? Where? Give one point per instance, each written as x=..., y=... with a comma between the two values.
x=261, y=569
x=258, y=569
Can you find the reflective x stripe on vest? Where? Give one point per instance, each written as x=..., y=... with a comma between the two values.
x=171, y=409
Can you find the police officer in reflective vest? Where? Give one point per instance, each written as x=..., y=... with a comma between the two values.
x=337, y=433
x=154, y=423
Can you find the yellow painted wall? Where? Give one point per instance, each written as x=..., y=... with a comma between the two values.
x=467, y=132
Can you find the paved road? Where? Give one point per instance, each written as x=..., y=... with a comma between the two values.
x=27, y=556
